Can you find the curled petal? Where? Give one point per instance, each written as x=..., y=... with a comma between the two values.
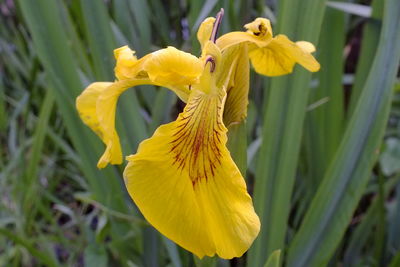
x=127, y=66
x=96, y=106
x=205, y=30
x=171, y=67
x=259, y=33
x=187, y=186
x=280, y=56
x=86, y=105
x=260, y=27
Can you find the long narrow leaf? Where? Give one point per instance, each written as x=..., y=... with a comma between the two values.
x=282, y=130
x=345, y=180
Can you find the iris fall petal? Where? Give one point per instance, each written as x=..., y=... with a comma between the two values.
x=186, y=184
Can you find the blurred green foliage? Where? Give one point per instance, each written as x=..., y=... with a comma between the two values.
x=322, y=150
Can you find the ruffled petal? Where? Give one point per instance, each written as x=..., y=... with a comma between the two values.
x=96, y=106
x=280, y=56
x=187, y=186
x=205, y=30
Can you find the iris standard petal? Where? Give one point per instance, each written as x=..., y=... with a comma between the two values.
x=280, y=56
x=205, y=30
x=237, y=86
x=187, y=186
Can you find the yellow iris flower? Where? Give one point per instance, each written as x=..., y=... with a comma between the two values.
x=183, y=178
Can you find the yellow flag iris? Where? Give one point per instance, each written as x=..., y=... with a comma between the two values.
x=183, y=178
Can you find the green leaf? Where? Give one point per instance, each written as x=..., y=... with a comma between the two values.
x=347, y=175
x=351, y=8
x=396, y=261
x=324, y=123
x=369, y=46
x=237, y=145
x=273, y=259
x=282, y=132
x=390, y=158
x=95, y=256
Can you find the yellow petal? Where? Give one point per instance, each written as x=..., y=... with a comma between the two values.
x=280, y=56
x=260, y=27
x=259, y=32
x=170, y=67
x=126, y=63
x=234, y=38
x=306, y=46
x=205, y=30
x=187, y=186
x=96, y=106
x=86, y=106
x=211, y=49
x=235, y=66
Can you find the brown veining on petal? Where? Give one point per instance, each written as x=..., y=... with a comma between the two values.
x=196, y=144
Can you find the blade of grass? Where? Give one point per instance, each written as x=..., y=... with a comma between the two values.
x=369, y=46
x=346, y=178
x=52, y=48
x=31, y=173
x=325, y=123
x=273, y=259
x=282, y=129
x=100, y=38
x=51, y=44
x=42, y=257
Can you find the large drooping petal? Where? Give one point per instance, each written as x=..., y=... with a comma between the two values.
x=96, y=106
x=187, y=186
x=280, y=56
